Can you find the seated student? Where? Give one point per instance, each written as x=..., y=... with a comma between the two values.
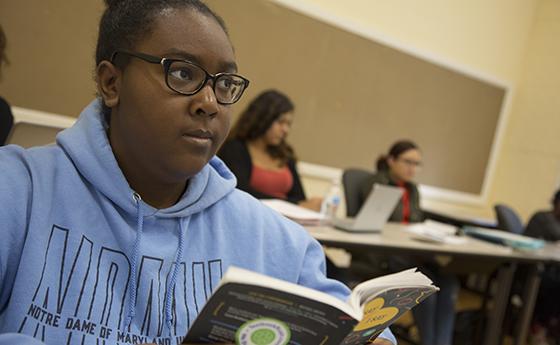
x=399, y=168
x=434, y=317
x=6, y=117
x=119, y=232
x=546, y=317
x=546, y=224
x=260, y=157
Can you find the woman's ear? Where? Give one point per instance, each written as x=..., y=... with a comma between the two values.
x=390, y=161
x=108, y=78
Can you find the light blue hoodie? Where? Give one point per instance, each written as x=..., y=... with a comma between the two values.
x=83, y=259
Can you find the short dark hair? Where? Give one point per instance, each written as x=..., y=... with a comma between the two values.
x=259, y=116
x=395, y=151
x=3, y=43
x=125, y=22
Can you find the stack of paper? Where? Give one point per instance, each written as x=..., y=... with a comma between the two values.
x=294, y=212
x=436, y=232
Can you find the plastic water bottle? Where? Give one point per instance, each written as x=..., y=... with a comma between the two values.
x=331, y=201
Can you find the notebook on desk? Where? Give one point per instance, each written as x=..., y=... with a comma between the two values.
x=375, y=212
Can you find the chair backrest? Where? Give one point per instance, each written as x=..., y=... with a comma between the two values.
x=508, y=219
x=30, y=134
x=352, y=181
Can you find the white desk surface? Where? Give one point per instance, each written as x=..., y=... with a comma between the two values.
x=394, y=236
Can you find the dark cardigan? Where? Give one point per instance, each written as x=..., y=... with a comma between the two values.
x=236, y=156
x=6, y=120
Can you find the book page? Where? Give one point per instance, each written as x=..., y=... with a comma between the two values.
x=383, y=309
x=407, y=278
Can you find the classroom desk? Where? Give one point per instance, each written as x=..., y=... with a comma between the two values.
x=396, y=240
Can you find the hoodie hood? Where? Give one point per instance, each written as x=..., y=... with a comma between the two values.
x=88, y=147
x=84, y=260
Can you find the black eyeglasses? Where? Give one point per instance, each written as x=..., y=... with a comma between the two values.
x=411, y=163
x=187, y=78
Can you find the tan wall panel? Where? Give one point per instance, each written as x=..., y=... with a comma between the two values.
x=354, y=97
x=51, y=47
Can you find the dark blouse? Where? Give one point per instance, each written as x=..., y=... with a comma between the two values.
x=235, y=154
x=544, y=225
x=6, y=121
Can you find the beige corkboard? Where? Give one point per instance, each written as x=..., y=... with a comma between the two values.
x=51, y=47
x=354, y=97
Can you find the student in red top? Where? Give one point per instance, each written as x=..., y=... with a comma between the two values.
x=260, y=157
x=435, y=317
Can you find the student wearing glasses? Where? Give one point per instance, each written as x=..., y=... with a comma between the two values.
x=435, y=317
x=119, y=232
x=398, y=168
x=259, y=155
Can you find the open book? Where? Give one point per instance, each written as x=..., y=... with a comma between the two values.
x=251, y=309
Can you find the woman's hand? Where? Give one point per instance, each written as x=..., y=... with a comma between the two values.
x=312, y=203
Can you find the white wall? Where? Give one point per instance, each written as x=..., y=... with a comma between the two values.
x=489, y=36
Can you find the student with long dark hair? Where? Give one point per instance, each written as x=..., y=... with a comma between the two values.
x=119, y=232
x=259, y=155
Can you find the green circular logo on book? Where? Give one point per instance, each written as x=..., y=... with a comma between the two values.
x=263, y=331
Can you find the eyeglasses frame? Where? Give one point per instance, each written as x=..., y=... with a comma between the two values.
x=166, y=64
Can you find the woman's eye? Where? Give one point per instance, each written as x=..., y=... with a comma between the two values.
x=182, y=74
x=225, y=83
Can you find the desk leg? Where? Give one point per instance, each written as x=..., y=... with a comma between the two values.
x=529, y=298
x=493, y=332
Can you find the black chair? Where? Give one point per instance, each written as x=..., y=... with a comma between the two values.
x=352, y=181
x=508, y=219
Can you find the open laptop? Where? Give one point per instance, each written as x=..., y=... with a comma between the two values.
x=375, y=212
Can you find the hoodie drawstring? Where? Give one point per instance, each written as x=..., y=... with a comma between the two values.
x=133, y=263
x=134, y=259
x=173, y=279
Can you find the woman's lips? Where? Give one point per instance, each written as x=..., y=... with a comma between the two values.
x=199, y=136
